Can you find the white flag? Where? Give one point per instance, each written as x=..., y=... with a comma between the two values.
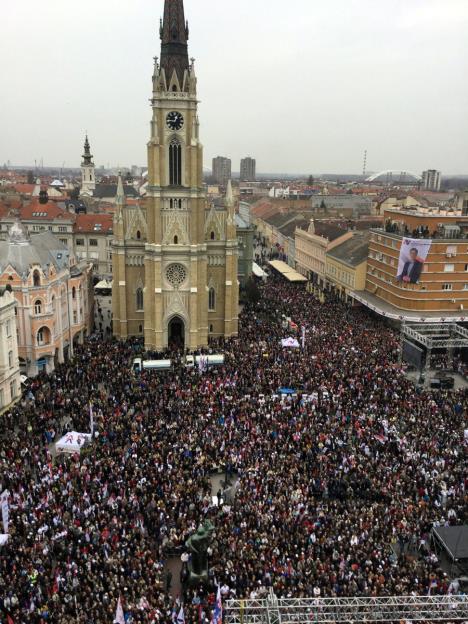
x=181, y=616
x=119, y=614
x=91, y=419
x=303, y=336
x=5, y=510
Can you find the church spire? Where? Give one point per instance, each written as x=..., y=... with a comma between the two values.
x=174, y=34
x=87, y=156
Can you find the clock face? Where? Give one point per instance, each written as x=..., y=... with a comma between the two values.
x=174, y=120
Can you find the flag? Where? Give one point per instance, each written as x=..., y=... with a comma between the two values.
x=181, y=616
x=91, y=419
x=5, y=510
x=218, y=610
x=293, y=325
x=119, y=614
x=303, y=336
x=10, y=620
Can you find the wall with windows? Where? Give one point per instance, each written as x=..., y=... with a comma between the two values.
x=443, y=286
x=10, y=383
x=95, y=247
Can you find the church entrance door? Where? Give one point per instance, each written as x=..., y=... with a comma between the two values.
x=176, y=333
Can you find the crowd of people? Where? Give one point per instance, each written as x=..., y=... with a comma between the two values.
x=339, y=483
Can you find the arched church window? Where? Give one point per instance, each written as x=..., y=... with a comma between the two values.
x=38, y=307
x=36, y=278
x=139, y=299
x=171, y=203
x=175, y=163
x=212, y=299
x=176, y=240
x=138, y=235
x=212, y=235
x=180, y=203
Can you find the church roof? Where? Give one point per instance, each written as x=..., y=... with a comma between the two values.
x=174, y=37
x=110, y=190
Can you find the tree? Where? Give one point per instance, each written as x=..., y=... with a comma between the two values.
x=252, y=291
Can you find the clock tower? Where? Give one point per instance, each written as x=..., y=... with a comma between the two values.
x=190, y=248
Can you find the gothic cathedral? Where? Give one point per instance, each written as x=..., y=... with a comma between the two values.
x=175, y=259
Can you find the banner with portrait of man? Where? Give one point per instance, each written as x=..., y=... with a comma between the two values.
x=413, y=255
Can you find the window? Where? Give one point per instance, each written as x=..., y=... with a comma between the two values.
x=138, y=235
x=80, y=242
x=36, y=278
x=139, y=299
x=10, y=359
x=93, y=242
x=176, y=240
x=75, y=317
x=212, y=299
x=212, y=236
x=62, y=228
x=73, y=293
x=38, y=307
x=466, y=268
x=465, y=287
x=13, y=390
x=43, y=336
x=449, y=268
x=8, y=329
x=447, y=287
x=175, y=163
x=64, y=241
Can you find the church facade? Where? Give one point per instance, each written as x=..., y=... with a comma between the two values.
x=175, y=258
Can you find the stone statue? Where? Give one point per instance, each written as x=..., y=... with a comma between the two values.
x=198, y=545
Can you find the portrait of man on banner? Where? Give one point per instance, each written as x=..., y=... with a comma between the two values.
x=413, y=255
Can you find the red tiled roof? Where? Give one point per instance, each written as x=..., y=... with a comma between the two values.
x=26, y=189
x=44, y=212
x=94, y=223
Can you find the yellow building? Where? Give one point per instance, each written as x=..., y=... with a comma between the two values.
x=312, y=246
x=346, y=265
x=175, y=260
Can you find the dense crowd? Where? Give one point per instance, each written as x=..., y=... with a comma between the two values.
x=339, y=484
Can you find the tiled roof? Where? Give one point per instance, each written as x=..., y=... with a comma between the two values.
x=25, y=189
x=44, y=212
x=327, y=230
x=110, y=190
x=353, y=251
x=94, y=223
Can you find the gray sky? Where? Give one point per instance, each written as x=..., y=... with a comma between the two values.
x=302, y=85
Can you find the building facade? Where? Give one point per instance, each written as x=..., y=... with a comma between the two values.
x=248, y=169
x=222, y=169
x=442, y=287
x=53, y=296
x=10, y=383
x=431, y=180
x=312, y=246
x=346, y=264
x=175, y=262
x=93, y=235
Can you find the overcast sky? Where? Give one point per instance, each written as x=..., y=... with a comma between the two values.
x=302, y=85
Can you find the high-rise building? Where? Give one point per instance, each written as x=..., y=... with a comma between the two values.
x=431, y=180
x=175, y=258
x=248, y=169
x=221, y=169
x=88, y=174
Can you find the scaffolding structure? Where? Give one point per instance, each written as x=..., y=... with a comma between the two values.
x=273, y=610
x=446, y=336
